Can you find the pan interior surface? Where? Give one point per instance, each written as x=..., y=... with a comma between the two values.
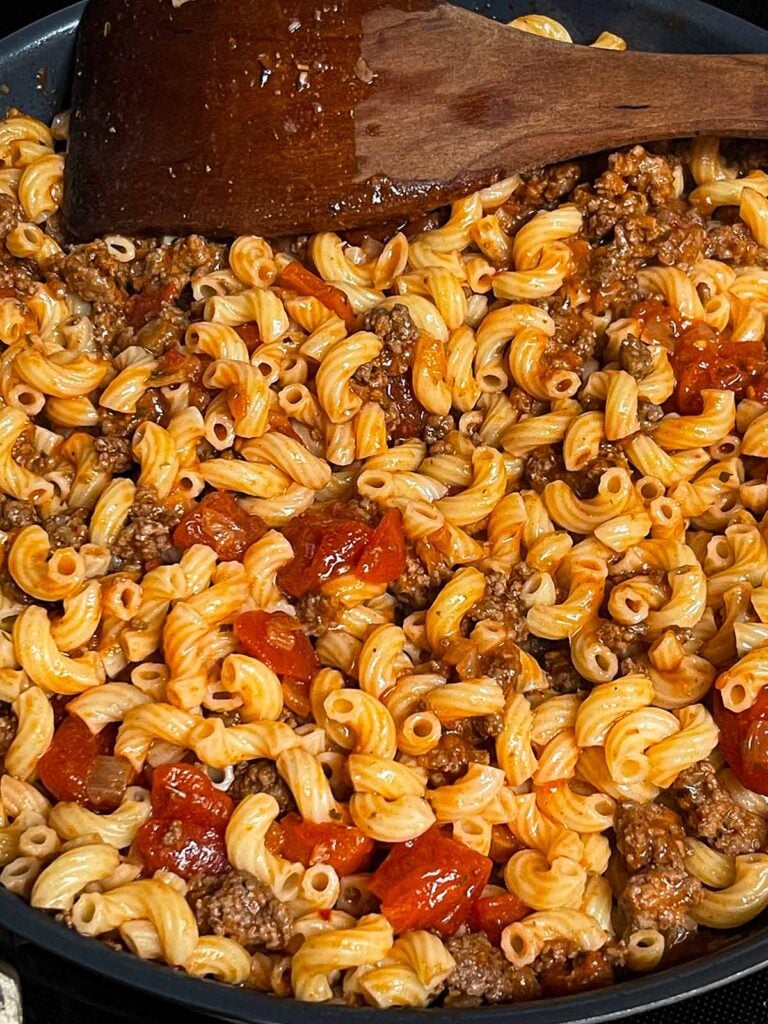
x=35, y=71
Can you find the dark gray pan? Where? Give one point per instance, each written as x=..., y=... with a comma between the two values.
x=34, y=69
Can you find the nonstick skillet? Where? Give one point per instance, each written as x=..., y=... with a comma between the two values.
x=35, y=68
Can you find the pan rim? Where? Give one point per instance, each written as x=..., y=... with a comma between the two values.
x=638, y=995
x=704, y=973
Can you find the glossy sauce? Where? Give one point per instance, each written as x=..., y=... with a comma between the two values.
x=702, y=359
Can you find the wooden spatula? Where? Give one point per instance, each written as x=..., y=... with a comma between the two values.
x=232, y=116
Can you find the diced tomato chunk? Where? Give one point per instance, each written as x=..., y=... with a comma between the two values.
x=327, y=543
x=744, y=740
x=250, y=334
x=278, y=640
x=297, y=278
x=221, y=523
x=492, y=914
x=185, y=847
x=344, y=847
x=147, y=304
x=430, y=882
x=341, y=546
x=661, y=322
x=185, y=791
x=68, y=766
x=702, y=359
x=384, y=556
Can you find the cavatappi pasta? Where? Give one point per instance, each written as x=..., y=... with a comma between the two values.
x=332, y=563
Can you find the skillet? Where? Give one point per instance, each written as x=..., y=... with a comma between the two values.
x=35, y=68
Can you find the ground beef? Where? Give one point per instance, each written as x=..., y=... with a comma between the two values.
x=710, y=812
x=291, y=719
x=623, y=640
x=645, y=172
x=10, y=588
x=562, y=968
x=484, y=975
x=175, y=262
x=649, y=836
x=659, y=892
x=240, y=907
x=8, y=725
x=113, y=454
x=563, y=677
x=417, y=586
x=734, y=242
x=574, y=341
x=90, y=272
x=67, y=529
x=660, y=898
x=398, y=334
x=316, y=612
x=163, y=333
x=19, y=275
x=542, y=188
x=261, y=776
x=10, y=216
x=149, y=407
x=16, y=514
x=503, y=601
x=540, y=466
x=363, y=509
x=632, y=210
x=108, y=322
x=503, y=665
x=145, y=539
x=448, y=761
x=585, y=482
x=437, y=427
x=387, y=378
x=544, y=464
x=26, y=454
x=488, y=727
x=648, y=414
x=635, y=357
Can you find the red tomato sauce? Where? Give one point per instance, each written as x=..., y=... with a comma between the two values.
x=327, y=543
x=185, y=791
x=297, y=278
x=181, y=846
x=430, y=882
x=189, y=816
x=344, y=847
x=492, y=914
x=146, y=305
x=702, y=359
x=221, y=523
x=661, y=323
x=78, y=763
x=278, y=640
x=744, y=740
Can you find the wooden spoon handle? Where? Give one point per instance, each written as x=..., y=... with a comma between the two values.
x=533, y=101
x=317, y=116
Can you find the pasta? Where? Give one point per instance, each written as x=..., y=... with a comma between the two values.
x=369, y=623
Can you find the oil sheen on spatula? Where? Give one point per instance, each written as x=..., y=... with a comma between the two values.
x=233, y=116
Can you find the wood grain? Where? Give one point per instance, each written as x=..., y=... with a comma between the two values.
x=311, y=115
